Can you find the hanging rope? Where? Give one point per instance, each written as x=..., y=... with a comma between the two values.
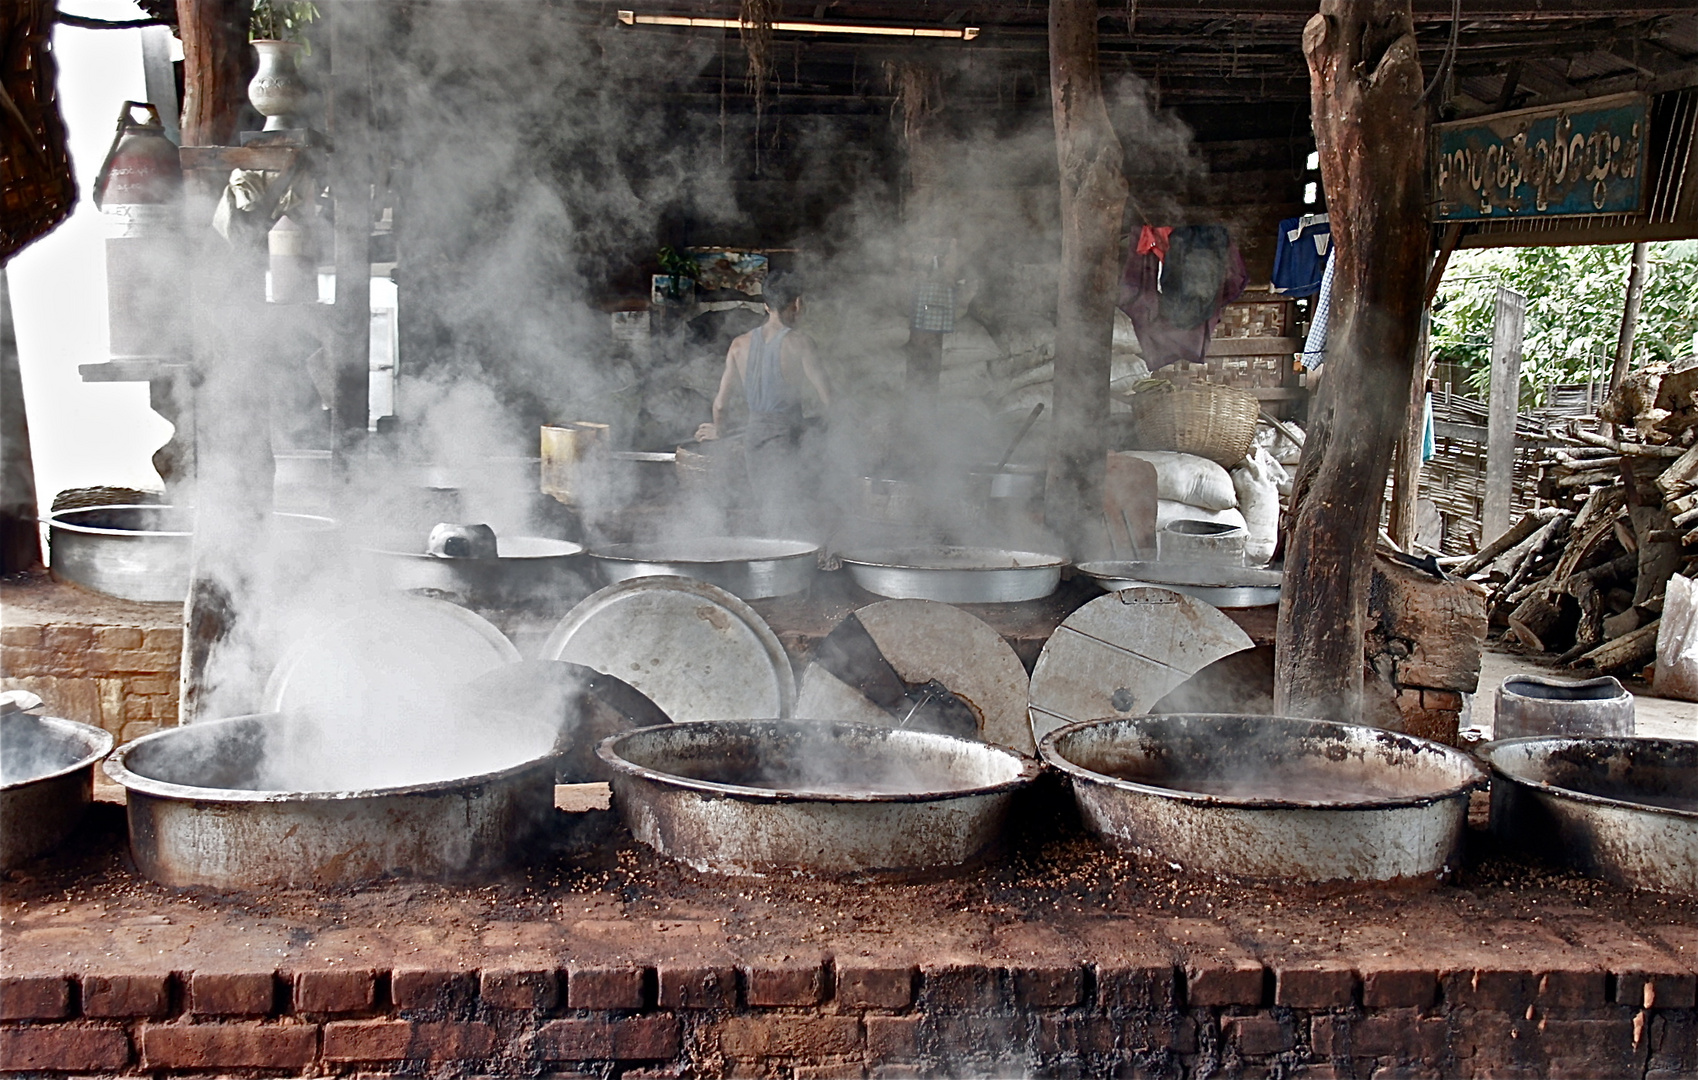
x=1449, y=53
x=755, y=18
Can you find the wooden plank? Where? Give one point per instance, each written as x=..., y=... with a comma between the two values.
x=225, y=158
x=1254, y=346
x=1508, y=322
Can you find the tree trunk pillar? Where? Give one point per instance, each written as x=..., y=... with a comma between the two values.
x=1093, y=203
x=1371, y=130
x=217, y=65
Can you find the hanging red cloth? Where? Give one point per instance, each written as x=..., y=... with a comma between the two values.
x=1153, y=240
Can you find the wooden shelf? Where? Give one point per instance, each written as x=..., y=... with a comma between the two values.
x=136, y=370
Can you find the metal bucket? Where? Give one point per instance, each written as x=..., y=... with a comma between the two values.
x=1189, y=541
x=757, y=797
x=46, y=781
x=1269, y=798
x=1625, y=810
x=202, y=814
x=1536, y=705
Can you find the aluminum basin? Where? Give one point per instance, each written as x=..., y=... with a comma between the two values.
x=205, y=808
x=1269, y=798
x=46, y=781
x=1625, y=810
x=137, y=552
x=526, y=569
x=759, y=797
x=955, y=575
x=747, y=567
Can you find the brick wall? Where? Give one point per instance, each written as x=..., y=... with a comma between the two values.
x=101, y=661
x=811, y=1016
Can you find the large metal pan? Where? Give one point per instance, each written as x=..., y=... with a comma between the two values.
x=955, y=575
x=756, y=797
x=1269, y=798
x=747, y=567
x=205, y=808
x=46, y=781
x=1625, y=810
x=1223, y=586
x=526, y=569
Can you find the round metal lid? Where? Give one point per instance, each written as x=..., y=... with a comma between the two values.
x=693, y=649
x=382, y=653
x=924, y=640
x=1121, y=653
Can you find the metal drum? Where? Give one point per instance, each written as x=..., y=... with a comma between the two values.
x=756, y=797
x=46, y=781
x=1535, y=705
x=1269, y=798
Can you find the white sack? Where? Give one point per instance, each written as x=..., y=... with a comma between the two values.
x=1188, y=478
x=1167, y=510
x=1677, y=642
x=1257, y=484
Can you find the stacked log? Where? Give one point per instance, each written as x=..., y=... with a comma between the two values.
x=1584, y=576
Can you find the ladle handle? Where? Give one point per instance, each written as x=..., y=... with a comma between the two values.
x=1031, y=418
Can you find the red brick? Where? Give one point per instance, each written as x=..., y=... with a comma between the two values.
x=1256, y=1036
x=20, y=637
x=1327, y=1035
x=512, y=988
x=810, y=1037
x=406, y=1040
x=864, y=985
x=1660, y=990
x=248, y=1045
x=1224, y=981
x=424, y=988
x=777, y=983
x=1491, y=990
x=247, y=993
x=637, y=1038
x=1589, y=1048
x=1399, y=1035
x=126, y=995
x=1572, y=989
x=605, y=988
x=1076, y=1036
x=117, y=638
x=1393, y=988
x=35, y=997
x=1049, y=987
x=1318, y=987
x=67, y=641
x=335, y=991
x=1441, y=700
x=697, y=987
x=893, y=1038
x=842, y=1070
x=64, y=1047
x=1141, y=988
x=967, y=988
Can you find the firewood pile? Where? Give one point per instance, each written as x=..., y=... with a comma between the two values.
x=1584, y=575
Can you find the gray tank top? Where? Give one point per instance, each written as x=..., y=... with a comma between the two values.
x=763, y=379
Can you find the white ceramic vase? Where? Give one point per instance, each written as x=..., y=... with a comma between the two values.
x=277, y=89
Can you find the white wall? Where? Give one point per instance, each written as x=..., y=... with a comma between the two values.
x=82, y=433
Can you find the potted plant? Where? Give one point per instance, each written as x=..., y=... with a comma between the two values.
x=277, y=89
x=678, y=281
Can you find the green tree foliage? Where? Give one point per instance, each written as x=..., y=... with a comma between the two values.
x=1574, y=302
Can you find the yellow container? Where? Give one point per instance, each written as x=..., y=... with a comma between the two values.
x=566, y=453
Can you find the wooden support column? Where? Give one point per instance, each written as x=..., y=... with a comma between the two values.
x=217, y=64
x=1093, y=203
x=1508, y=321
x=1371, y=132
x=350, y=344
x=20, y=537
x=1406, y=480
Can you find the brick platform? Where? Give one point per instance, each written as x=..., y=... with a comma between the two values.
x=107, y=662
x=1057, y=961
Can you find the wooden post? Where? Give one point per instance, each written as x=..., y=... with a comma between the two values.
x=20, y=537
x=1507, y=324
x=1629, y=316
x=1406, y=480
x=217, y=64
x=1093, y=203
x=1371, y=132
x=352, y=186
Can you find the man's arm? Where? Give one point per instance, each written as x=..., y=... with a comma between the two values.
x=814, y=370
x=723, y=397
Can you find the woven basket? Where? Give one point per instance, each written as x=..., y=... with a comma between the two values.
x=37, y=188
x=1216, y=422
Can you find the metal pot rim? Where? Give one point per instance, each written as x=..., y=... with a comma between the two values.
x=1488, y=753
x=613, y=553
x=55, y=520
x=575, y=549
x=98, y=737
x=118, y=772
x=876, y=557
x=607, y=752
x=1052, y=757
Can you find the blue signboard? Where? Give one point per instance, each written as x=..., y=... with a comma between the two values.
x=1582, y=157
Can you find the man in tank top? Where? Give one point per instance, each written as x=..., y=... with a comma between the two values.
x=773, y=362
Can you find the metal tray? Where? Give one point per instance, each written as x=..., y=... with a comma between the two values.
x=747, y=567
x=1222, y=586
x=956, y=575
x=526, y=568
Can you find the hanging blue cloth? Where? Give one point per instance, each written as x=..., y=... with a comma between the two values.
x=1300, y=254
x=1428, y=445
